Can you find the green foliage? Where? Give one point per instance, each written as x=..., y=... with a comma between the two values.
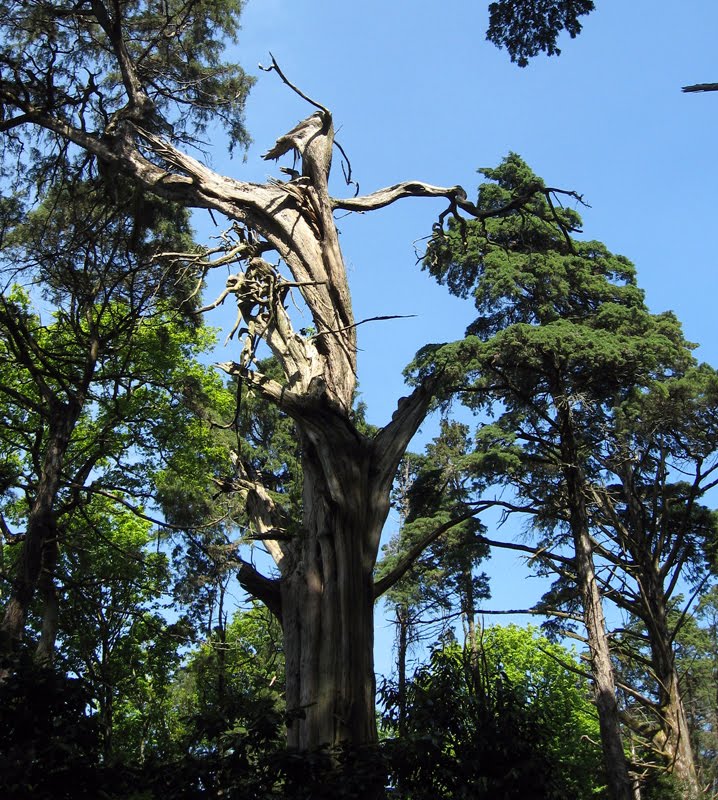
x=510, y=721
x=224, y=709
x=60, y=56
x=600, y=424
x=114, y=364
x=134, y=396
x=239, y=667
x=432, y=490
x=564, y=353
x=95, y=241
x=551, y=308
x=528, y=27
x=112, y=631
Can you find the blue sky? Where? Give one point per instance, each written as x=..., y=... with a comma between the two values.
x=417, y=93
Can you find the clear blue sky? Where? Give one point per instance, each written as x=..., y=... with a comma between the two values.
x=417, y=93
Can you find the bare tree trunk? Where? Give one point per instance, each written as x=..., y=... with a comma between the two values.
x=604, y=684
x=402, y=620
x=45, y=652
x=328, y=597
x=326, y=588
x=329, y=661
x=41, y=534
x=676, y=744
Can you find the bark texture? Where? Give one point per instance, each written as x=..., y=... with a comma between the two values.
x=324, y=594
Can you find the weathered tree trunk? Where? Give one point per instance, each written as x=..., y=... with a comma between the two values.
x=328, y=593
x=326, y=588
x=324, y=593
x=328, y=649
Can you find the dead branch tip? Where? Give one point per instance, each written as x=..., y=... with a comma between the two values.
x=274, y=67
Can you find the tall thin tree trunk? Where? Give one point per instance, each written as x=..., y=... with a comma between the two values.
x=402, y=620
x=676, y=745
x=604, y=684
x=45, y=652
x=41, y=529
x=472, y=640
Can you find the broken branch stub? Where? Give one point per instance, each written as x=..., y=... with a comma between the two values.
x=312, y=140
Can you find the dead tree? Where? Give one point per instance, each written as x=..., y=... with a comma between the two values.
x=324, y=590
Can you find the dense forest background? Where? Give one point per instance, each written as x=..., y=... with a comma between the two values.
x=191, y=553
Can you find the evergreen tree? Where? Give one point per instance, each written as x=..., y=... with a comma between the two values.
x=563, y=345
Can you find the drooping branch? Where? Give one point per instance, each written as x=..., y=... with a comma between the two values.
x=567, y=665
